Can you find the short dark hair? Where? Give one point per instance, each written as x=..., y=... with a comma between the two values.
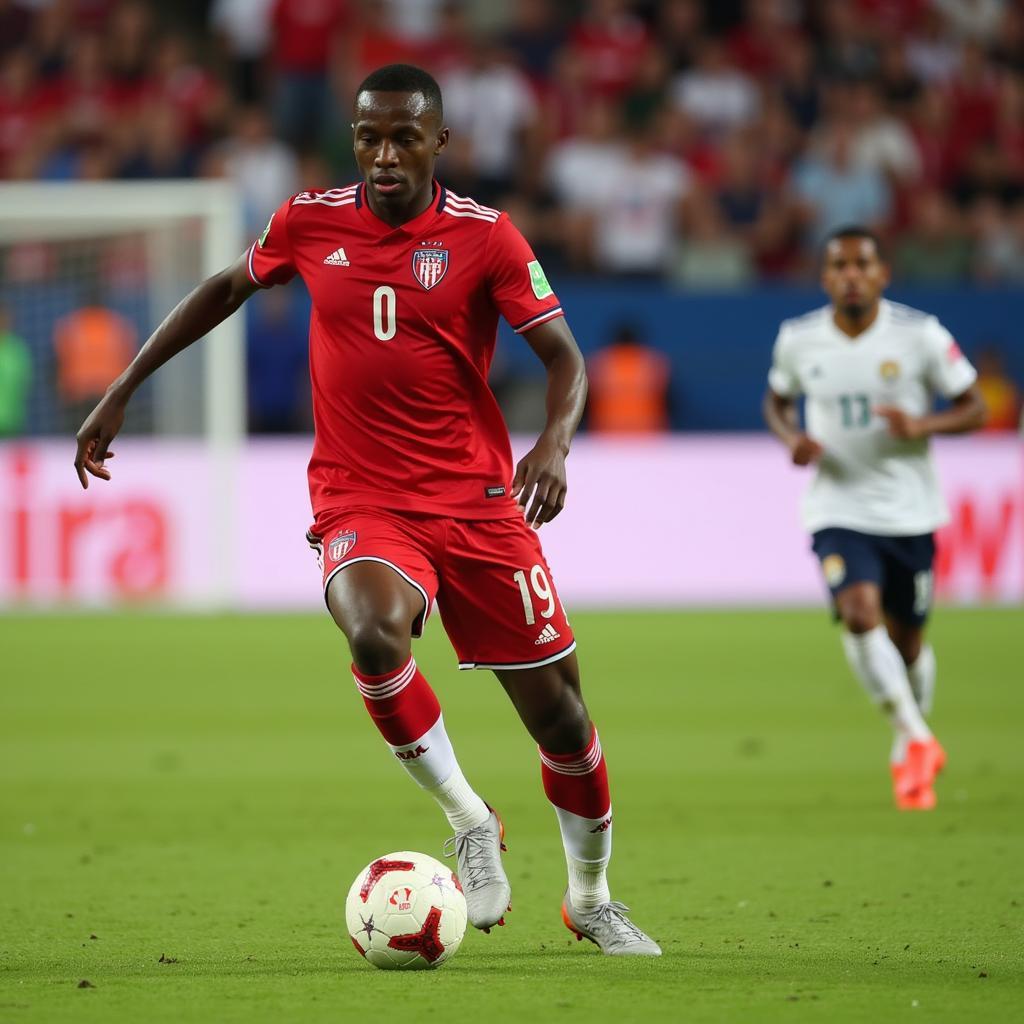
x=404, y=78
x=854, y=231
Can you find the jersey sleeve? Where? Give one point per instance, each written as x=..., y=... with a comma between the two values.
x=782, y=377
x=270, y=257
x=949, y=372
x=516, y=280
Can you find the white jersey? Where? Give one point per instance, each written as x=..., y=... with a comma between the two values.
x=868, y=480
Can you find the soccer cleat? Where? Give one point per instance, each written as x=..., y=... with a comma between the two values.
x=609, y=929
x=917, y=800
x=912, y=779
x=484, y=882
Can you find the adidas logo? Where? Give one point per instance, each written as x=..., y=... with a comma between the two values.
x=547, y=634
x=337, y=259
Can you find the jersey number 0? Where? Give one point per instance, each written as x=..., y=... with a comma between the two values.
x=385, y=323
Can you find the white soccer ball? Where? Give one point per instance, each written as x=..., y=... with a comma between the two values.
x=406, y=911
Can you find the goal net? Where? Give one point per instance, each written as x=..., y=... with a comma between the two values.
x=88, y=270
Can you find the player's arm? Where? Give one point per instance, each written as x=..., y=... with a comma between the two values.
x=966, y=412
x=783, y=419
x=541, y=472
x=193, y=318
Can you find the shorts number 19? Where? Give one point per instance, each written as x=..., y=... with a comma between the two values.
x=541, y=587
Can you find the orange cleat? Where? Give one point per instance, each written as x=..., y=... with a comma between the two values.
x=914, y=777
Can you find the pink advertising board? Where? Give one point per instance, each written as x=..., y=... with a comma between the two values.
x=684, y=520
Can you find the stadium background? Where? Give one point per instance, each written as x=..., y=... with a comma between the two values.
x=168, y=780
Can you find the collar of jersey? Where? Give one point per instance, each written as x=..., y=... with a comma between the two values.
x=410, y=227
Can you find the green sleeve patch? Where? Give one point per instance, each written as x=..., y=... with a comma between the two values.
x=538, y=280
x=266, y=231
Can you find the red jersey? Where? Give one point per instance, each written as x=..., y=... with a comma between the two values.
x=401, y=338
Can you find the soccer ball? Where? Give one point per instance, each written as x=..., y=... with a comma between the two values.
x=406, y=911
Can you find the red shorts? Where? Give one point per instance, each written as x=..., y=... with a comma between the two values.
x=493, y=587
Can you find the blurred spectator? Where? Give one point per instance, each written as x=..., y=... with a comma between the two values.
x=978, y=20
x=680, y=29
x=881, y=142
x=92, y=345
x=716, y=94
x=835, y=190
x=536, y=35
x=1008, y=46
x=1001, y=395
x=934, y=249
x=611, y=44
x=637, y=207
x=998, y=241
x=15, y=378
x=931, y=54
x=189, y=90
x=767, y=28
x=243, y=27
x=899, y=85
x=15, y=25
x=846, y=49
x=494, y=120
x=710, y=257
x=307, y=42
x=629, y=386
x=797, y=81
x=263, y=168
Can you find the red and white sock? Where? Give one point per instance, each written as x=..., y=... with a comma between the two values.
x=577, y=786
x=406, y=711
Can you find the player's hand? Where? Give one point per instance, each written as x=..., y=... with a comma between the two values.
x=99, y=429
x=805, y=450
x=541, y=474
x=901, y=424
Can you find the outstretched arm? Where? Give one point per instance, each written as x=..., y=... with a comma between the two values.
x=781, y=416
x=541, y=472
x=195, y=316
x=966, y=412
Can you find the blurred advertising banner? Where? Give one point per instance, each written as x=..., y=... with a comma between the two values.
x=683, y=520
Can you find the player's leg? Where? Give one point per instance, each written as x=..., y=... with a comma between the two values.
x=854, y=570
x=906, y=600
x=502, y=612
x=575, y=778
x=378, y=590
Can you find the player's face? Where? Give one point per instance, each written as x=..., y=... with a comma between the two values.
x=397, y=139
x=854, y=275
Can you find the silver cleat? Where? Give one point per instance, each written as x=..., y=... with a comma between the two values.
x=609, y=929
x=484, y=882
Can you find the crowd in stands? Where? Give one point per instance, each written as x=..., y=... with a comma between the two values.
x=709, y=144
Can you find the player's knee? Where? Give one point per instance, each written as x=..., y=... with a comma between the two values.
x=378, y=643
x=909, y=647
x=859, y=611
x=564, y=728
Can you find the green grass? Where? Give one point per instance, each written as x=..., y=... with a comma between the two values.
x=204, y=789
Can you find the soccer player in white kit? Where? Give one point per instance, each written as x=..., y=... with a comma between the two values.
x=869, y=370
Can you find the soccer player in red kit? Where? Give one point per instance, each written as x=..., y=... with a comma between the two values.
x=411, y=480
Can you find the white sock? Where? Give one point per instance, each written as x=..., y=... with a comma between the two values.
x=588, y=849
x=877, y=664
x=922, y=684
x=460, y=802
x=430, y=760
x=922, y=679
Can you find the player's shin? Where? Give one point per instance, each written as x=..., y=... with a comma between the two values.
x=405, y=709
x=577, y=786
x=922, y=679
x=877, y=664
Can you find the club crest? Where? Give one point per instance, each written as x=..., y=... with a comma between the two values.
x=429, y=266
x=341, y=545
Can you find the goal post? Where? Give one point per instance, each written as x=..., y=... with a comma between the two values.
x=135, y=248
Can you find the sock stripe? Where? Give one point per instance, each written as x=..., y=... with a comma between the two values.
x=581, y=764
x=373, y=689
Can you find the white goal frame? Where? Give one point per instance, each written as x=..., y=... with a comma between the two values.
x=55, y=211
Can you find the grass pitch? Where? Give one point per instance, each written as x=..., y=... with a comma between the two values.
x=184, y=801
